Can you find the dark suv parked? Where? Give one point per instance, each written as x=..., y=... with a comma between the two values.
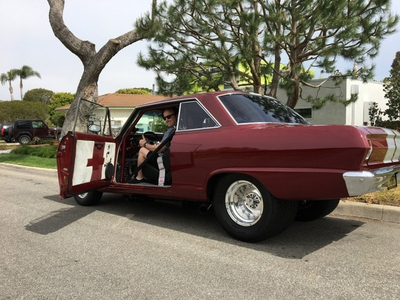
x=6, y=132
x=25, y=131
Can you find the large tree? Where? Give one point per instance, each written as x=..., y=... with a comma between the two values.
x=392, y=91
x=9, y=77
x=93, y=61
x=208, y=43
x=58, y=100
x=24, y=73
x=391, y=87
x=14, y=110
x=38, y=95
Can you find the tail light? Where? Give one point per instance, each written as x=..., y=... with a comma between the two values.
x=369, y=151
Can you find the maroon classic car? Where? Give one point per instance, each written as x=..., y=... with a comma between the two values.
x=255, y=161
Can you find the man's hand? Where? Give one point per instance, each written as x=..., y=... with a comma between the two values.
x=142, y=141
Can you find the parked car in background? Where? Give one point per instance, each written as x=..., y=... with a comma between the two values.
x=6, y=132
x=24, y=131
x=255, y=161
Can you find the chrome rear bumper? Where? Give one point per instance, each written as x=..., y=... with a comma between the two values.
x=363, y=182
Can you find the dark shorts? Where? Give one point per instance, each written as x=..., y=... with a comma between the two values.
x=153, y=160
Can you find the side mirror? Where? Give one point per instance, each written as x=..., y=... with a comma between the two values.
x=94, y=128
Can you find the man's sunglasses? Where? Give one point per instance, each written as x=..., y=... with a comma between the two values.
x=168, y=117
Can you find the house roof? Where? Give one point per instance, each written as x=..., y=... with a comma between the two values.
x=121, y=100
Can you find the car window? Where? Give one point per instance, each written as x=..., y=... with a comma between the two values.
x=37, y=124
x=194, y=116
x=23, y=125
x=151, y=121
x=249, y=108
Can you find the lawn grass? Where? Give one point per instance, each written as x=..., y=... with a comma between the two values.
x=383, y=197
x=27, y=160
x=43, y=156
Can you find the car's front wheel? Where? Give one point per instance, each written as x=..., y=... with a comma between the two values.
x=88, y=198
x=313, y=210
x=247, y=211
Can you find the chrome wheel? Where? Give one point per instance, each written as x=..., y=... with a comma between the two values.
x=248, y=211
x=24, y=139
x=244, y=203
x=88, y=198
x=82, y=196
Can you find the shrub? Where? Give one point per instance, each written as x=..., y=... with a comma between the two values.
x=40, y=151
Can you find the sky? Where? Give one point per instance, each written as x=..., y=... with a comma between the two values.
x=26, y=38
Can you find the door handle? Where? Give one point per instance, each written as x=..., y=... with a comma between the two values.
x=98, y=145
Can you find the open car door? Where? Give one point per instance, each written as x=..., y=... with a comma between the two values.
x=86, y=160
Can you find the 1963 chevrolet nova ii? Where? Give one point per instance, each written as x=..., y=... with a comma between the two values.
x=258, y=163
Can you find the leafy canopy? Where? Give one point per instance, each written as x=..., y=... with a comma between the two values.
x=14, y=110
x=38, y=95
x=214, y=44
x=391, y=88
x=136, y=91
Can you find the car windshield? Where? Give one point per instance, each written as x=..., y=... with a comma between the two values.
x=249, y=108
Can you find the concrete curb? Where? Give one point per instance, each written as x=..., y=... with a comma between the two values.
x=383, y=213
x=5, y=151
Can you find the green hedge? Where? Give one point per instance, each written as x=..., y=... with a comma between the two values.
x=39, y=151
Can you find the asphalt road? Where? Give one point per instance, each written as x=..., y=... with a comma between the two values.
x=120, y=249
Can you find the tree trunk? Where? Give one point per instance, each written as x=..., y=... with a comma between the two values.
x=21, y=87
x=11, y=91
x=294, y=97
x=275, y=75
x=93, y=62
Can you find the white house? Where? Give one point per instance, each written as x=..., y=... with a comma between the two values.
x=356, y=113
x=120, y=105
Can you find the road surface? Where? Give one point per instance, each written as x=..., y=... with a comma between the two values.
x=120, y=249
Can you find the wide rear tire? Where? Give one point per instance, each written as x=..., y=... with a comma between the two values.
x=88, y=198
x=313, y=210
x=247, y=211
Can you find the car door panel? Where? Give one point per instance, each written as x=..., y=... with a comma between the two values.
x=86, y=162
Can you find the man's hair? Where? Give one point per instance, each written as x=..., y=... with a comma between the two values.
x=173, y=108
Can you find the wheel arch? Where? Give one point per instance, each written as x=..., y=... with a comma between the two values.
x=216, y=177
x=19, y=134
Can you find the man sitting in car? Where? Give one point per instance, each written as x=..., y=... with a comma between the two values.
x=170, y=116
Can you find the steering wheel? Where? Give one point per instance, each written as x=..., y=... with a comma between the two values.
x=151, y=137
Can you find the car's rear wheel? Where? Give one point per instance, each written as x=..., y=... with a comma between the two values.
x=88, y=198
x=247, y=211
x=313, y=210
x=24, y=139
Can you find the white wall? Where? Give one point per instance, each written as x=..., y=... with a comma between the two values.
x=357, y=113
x=336, y=113
x=118, y=115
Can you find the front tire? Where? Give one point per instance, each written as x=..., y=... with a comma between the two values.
x=248, y=212
x=88, y=198
x=313, y=210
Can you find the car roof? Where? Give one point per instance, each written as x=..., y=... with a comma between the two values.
x=190, y=96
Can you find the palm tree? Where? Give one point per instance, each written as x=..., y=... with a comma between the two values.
x=8, y=77
x=24, y=73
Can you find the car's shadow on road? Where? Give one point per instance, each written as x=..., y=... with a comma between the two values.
x=296, y=242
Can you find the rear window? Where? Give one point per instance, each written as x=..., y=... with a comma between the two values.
x=23, y=125
x=249, y=108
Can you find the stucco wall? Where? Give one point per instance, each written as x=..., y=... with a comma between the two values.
x=357, y=113
x=336, y=113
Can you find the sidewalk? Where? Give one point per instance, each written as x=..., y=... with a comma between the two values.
x=5, y=151
x=383, y=213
